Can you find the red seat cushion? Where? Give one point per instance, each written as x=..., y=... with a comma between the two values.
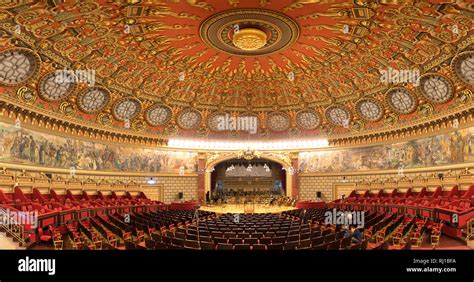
x=45, y=237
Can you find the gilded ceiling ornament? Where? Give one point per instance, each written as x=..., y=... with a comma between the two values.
x=215, y=119
x=26, y=94
x=263, y=132
x=336, y=28
x=436, y=88
x=17, y=66
x=39, y=22
x=391, y=119
x=369, y=109
x=357, y=125
x=126, y=109
x=233, y=3
x=94, y=37
x=189, y=119
x=294, y=132
x=104, y=118
x=248, y=154
x=160, y=10
x=465, y=96
x=452, y=31
x=138, y=125
x=463, y=66
x=338, y=115
x=234, y=134
x=278, y=121
x=157, y=115
x=5, y=15
x=156, y=27
x=203, y=131
x=425, y=110
x=338, y=13
x=171, y=130
x=200, y=4
x=401, y=100
x=56, y=86
x=297, y=4
x=67, y=108
x=181, y=37
x=249, y=39
x=92, y=100
x=249, y=32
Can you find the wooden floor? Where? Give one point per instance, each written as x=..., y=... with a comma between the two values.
x=251, y=208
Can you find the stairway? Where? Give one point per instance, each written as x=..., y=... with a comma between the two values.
x=7, y=243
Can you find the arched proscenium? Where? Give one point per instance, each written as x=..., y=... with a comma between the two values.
x=205, y=170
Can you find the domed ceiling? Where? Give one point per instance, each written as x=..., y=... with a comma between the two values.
x=303, y=68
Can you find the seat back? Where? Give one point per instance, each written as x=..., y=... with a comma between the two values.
x=224, y=247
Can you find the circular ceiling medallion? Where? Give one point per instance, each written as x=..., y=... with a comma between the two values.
x=215, y=119
x=53, y=87
x=249, y=32
x=401, y=100
x=17, y=65
x=126, y=109
x=93, y=100
x=189, y=118
x=369, y=109
x=463, y=65
x=278, y=121
x=338, y=115
x=158, y=115
x=308, y=119
x=436, y=88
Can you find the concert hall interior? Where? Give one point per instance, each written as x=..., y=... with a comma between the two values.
x=243, y=125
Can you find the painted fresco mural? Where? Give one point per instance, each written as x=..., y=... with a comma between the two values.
x=445, y=149
x=29, y=147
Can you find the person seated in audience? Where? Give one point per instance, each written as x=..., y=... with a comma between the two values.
x=356, y=235
x=347, y=232
x=329, y=226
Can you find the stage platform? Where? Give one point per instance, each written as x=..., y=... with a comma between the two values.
x=249, y=208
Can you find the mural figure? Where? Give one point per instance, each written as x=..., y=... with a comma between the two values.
x=34, y=148
x=445, y=149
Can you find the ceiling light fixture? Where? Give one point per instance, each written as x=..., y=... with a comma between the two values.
x=267, y=169
x=151, y=181
x=249, y=39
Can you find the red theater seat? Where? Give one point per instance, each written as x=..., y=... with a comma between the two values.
x=44, y=236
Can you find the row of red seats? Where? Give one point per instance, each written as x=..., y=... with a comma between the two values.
x=455, y=200
x=43, y=204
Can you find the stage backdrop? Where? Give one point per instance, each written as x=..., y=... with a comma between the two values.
x=451, y=148
x=24, y=146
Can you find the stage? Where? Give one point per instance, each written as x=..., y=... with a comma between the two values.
x=248, y=208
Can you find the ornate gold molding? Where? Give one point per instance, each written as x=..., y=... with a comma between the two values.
x=214, y=158
x=35, y=121
x=41, y=169
x=432, y=169
x=63, y=126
